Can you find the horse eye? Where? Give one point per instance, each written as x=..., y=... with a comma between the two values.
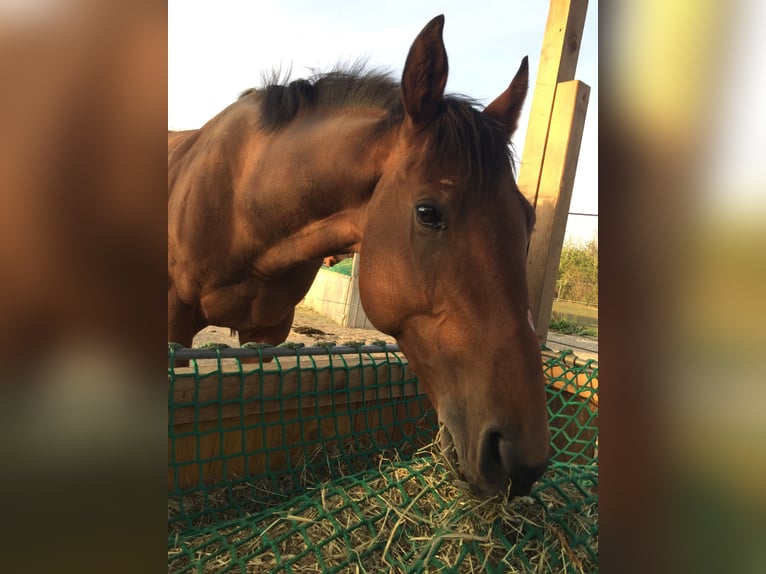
x=430, y=216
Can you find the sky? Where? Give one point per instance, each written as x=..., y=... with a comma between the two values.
x=216, y=50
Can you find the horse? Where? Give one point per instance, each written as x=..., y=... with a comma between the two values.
x=422, y=186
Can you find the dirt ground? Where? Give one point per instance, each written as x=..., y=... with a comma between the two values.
x=309, y=327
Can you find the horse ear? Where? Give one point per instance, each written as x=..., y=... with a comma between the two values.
x=425, y=74
x=507, y=106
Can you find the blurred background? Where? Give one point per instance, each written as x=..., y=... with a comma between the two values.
x=683, y=249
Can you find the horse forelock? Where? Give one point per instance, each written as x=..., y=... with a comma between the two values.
x=463, y=139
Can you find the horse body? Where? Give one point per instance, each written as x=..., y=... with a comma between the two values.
x=419, y=184
x=229, y=266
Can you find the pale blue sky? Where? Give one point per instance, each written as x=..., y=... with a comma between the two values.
x=218, y=49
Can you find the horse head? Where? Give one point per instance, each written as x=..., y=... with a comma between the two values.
x=443, y=269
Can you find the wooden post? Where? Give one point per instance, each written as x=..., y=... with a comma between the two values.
x=554, y=197
x=558, y=62
x=551, y=149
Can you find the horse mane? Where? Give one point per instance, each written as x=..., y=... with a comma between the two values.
x=458, y=124
x=351, y=85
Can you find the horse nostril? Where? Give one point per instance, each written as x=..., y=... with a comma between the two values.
x=498, y=462
x=491, y=459
x=523, y=477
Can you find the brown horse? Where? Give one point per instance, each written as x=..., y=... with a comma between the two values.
x=421, y=186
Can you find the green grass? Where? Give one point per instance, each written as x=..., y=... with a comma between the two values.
x=566, y=327
x=573, y=318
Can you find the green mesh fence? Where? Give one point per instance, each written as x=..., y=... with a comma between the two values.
x=322, y=464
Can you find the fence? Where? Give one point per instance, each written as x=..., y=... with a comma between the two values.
x=319, y=461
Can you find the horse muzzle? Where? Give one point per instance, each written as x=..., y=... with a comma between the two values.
x=497, y=464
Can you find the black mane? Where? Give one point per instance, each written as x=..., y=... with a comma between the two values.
x=460, y=137
x=280, y=101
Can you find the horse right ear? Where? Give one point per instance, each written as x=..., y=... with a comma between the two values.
x=425, y=75
x=506, y=108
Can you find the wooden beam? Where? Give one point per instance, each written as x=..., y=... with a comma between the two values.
x=558, y=62
x=554, y=197
x=545, y=168
x=231, y=395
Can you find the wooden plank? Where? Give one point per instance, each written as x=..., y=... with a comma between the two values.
x=554, y=197
x=558, y=62
x=582, y=385
x=277, y=390
x=258, y=446
x=278, y=418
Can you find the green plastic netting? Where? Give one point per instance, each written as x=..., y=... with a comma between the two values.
x=322, y=464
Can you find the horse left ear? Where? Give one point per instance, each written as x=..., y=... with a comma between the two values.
x=425, y=74
x=506, y=108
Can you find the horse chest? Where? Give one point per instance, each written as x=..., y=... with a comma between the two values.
x=255, y=303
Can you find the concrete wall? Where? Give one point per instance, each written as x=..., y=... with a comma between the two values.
x=336, y=296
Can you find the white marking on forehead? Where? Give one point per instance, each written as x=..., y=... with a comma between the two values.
x=531, y=320
x=447, y=182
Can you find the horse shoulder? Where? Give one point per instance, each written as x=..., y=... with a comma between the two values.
x=179, y=142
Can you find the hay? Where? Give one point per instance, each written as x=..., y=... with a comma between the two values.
x=204, y=507
x=407, y=516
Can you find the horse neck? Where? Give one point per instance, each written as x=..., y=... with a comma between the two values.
x=327, y=171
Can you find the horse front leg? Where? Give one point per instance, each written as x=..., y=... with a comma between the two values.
x=182, y=324
x=271, y=335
